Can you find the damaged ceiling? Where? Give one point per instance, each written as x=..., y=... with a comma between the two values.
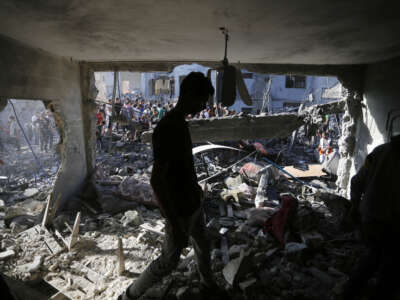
x=292, y=32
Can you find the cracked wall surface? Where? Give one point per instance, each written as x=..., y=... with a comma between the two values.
x=35, y=74
x=381, y=94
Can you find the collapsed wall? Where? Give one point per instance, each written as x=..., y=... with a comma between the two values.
x=36, y=74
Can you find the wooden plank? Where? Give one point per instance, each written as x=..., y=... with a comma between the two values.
x=121, y=258
x=51, y=209
x=58, y=234
x=75, y=231
x=46, y=216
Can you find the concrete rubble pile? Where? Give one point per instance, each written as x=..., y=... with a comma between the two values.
x=271, y=236
x=24, y=187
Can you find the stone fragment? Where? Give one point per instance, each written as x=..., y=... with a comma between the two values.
x=258, y=216
x=247, y=283
x=236, y=249
x=2, y=204
x=131, y=217
x=223, y=230
x=28, y=193
x=31, y=267
x=233, y=182
x=6, y=254
x=291, y=248
x=312, y=239
x=236, y=268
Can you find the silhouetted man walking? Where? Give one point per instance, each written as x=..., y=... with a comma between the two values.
x=176, y=190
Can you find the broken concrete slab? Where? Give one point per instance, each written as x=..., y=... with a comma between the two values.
x=235, y=128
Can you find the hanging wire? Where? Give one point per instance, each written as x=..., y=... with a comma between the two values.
x=26, y=139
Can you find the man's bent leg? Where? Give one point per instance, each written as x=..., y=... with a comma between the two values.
x=162, y=266
x=201, y=248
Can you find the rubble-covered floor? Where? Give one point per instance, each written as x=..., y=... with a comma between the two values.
x=313, y=264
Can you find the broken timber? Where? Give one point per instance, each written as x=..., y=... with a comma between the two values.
x=121, y=258
x=51, y=209
x=75, y=232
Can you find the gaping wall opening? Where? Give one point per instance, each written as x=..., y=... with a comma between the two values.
x=30, y=153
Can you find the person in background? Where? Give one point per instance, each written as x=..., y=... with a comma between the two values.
x=154, y=118
x=44, y=124
x=51, y=128
x=2, y=137
x=324, y=147
x=161, y=111
x=35, y=128
x=29, y=131
x=14, y=133
x=117, y=109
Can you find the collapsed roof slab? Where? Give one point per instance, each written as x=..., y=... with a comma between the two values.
x=235, y=128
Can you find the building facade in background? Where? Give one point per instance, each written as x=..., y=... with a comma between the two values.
x=269, y=93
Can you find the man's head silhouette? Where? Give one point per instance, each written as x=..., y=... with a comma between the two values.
x=194, y=92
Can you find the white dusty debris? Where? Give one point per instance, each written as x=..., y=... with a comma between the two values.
x=247, y=257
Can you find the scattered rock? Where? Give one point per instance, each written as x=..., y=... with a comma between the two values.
x=131, y=217
x=28, y=193
x=6, y=254
x=236, y=268
x=32, y=267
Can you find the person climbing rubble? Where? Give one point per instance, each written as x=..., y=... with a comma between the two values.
x=177, y=192
x=375, y=209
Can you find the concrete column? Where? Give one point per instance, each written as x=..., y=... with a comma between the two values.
x=35, y=74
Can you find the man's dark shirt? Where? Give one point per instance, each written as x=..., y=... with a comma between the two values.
x=375, y=188
x=173, y=178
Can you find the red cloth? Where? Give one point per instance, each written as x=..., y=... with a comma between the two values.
x=100, y=118
x=277, y=223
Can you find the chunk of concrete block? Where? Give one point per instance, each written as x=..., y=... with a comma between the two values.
x=236, y=268
x=31, y=267
x=131, y=217
x=28, y=193
x=6, y=254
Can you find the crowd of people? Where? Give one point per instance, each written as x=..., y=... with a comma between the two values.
x=138, y=115
x=39, y=131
